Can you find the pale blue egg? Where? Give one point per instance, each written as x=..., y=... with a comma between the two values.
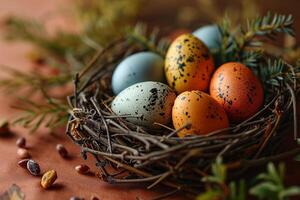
x=139, y=67
x=210, y=35
x=212, y=38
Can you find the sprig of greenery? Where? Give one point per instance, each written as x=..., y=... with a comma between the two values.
x=269, y=185
x=138, y=35
x=217, y=187
x=57, y=46
x=245, y=44
x=267, y=26
x=17, y=80
x=273, y=72
x=52, y=114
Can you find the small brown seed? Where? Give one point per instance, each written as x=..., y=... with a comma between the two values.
x=21, y=142
x=82, y=169
x=4, y=127
x=94, y=197
x=48, y=178
x=62, y=150
x=23, y=163
x=23, y=153
x=33, y=167
x=76, y=198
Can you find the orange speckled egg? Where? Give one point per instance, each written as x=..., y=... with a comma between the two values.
x=188, y=64
x=202, y=111
x=238, y=90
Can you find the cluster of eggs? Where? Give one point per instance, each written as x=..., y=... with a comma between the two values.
x=185, y=87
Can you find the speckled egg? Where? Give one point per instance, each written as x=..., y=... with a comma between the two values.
x=145, y=103
x=238, y=90
x=209, y=35
x=188, y=64
x=201, y=111
x=139, y=67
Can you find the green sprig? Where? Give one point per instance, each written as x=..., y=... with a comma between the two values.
x=269, y=185
x=138, y=35
x=245, y=44
x=52, y=114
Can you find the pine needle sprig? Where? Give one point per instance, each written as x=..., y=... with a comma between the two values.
x=270, y=24
x=252, y=58
x=139, y=35
x=276, y=72
x=229, y=46
x=267, y=26
x=273, y=72
x=52, y=114
x=245, y=44
x=34, y=32
x=17, y=80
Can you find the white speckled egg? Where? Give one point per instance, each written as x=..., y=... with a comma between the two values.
x=139, y=67
x=146, y=103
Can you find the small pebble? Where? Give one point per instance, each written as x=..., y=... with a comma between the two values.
x=76, y=198
x=4, y=127
x=82, y=169
x=33, y=167
x=94, y=197
x=21, y=142
x=23, y=153
x=48, y=178
x=62, y=150
x=23, y=163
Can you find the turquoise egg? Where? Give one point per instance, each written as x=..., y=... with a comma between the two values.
x=210, y=35
x=139, y=67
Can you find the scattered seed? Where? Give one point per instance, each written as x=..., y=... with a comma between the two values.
x=4, y=127
x=62, y=150
x=23, y=153
x=33, y=167
x=94, y=197
x=21, y=142
x=48, y=178
x=23, y=163
x=82, y=169
x=76, y=198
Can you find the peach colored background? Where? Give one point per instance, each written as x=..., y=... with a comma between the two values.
x=42, y=145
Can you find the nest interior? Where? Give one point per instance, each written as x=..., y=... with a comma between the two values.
x=127, y=153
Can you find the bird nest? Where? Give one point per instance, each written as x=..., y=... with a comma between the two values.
x=127, y=153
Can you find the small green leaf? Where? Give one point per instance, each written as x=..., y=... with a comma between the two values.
x=210, y=195
x=297, y=158
x=292, y=191
x=264, y=190
x=273, y=173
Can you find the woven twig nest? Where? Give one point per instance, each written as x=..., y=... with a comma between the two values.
x=137, y=154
